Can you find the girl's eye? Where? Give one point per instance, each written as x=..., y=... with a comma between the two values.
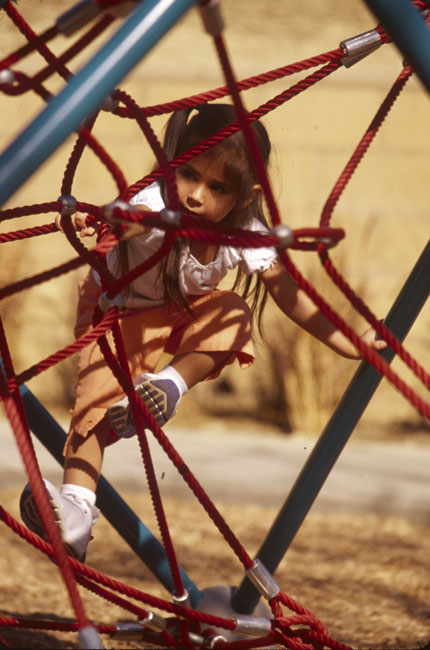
x=219, y=189
x=186, y=172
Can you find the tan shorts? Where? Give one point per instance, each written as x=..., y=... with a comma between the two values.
x=222, y=324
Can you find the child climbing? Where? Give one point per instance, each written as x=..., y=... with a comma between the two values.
x=175, y=308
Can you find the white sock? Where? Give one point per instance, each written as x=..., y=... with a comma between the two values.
x=169, y=372
x=85, y=493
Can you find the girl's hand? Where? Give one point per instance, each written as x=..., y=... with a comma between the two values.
x=370, y=337
x=78, y=223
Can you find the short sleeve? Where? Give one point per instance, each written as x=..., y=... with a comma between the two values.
x=150, y=197
x=257, y=260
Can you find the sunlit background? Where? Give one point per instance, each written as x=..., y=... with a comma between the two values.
x=295, y=382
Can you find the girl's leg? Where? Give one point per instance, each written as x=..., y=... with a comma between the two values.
x=196, y=366
x=162, y=392
x=84, y=457
x=200, y=347
x=74, y=505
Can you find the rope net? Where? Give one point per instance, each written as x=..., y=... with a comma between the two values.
x=180, y=626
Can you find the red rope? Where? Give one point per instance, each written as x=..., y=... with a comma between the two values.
x=23, y=51
x=43, y=50
x=123, y=375
x=15, y=412
x=366, y=351
x=303, y=617
x=315, y=634
x=364, y=145
x=64, y=58
x=26, y=233
x=327, y=212
x=256, y=114
x=245, y=84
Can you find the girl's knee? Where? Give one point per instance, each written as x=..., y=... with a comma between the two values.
x=229, y=302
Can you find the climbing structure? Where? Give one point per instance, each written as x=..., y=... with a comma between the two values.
x=180, y=623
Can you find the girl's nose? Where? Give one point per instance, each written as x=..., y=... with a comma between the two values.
x=196, y=194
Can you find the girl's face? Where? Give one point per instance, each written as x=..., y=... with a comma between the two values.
x=203, y=188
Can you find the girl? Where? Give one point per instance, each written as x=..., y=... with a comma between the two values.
x=176, y=308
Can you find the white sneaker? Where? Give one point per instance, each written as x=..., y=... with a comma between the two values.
x=73, y=514
x=160, y=396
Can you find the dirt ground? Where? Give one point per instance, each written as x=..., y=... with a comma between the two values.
x=367, y=577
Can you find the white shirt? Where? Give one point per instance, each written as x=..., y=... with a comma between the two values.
x=195, y=278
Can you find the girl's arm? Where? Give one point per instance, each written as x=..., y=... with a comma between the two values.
x=78, y=223
x=297, y=305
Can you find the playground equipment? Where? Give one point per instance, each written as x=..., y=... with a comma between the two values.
x=218, y=616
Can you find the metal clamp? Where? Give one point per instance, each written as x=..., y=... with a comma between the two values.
x=7, y=77
x=89, y=638
x=109, y=104
x=78, y=16
x=128, y=631
x=284, y=235
x=69, y=204
x=327, y=241
x=213, y=640
x=211, y=15
x=171, y=217
x=183, y=599
x=360, y=46
x=106, y=303
x=251, y=625
x=108, y=210
x=263, y=580
x=154, y=622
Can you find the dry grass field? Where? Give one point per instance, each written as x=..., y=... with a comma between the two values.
x=365, y=576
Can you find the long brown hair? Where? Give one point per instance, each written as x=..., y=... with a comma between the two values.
x=185, y=130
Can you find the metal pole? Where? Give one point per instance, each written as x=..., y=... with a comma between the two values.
x=113, y=507
x=407, y=28
x=85, y=92
x=336, y=434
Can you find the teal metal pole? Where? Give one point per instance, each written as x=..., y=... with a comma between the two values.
x=407, y=28
x=85, y=92
x=113, y=507
x=405, y=310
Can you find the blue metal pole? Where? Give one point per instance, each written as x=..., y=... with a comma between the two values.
x=85, y=92
x=405, y=310
x=409, y=32
x=113, y=507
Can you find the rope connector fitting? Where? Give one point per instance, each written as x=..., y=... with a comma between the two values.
x=213, y=640
x=263, y=580
x=360, y=46
x=89, y=638
x=154, y=622
x=211, y=16
x=69, y=204
x=109, y=104
x=183, y=599
x=128, y=631
x=327, y=241
x=252, y=625
x=172, y=217
x=7, y=77
x=78, y=16
x=106, y=303
x=284, y=234
x=108, y=210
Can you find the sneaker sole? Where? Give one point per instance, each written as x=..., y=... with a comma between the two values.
x=31, y=518
x=151, y=404
x=119, y=418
